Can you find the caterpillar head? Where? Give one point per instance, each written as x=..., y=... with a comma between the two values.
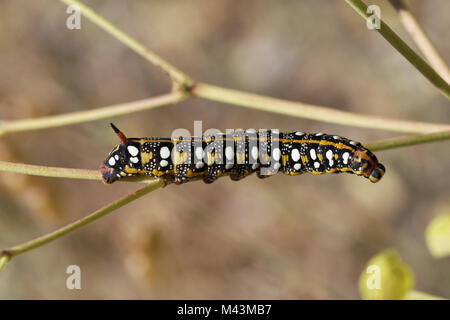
x=122, y=160
x=365, y=163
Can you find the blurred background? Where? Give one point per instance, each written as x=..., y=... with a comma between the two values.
x=305, y=237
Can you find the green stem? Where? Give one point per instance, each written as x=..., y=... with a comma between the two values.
x=419, y=295
x=11, y=252
x=4, y=258
x=313, y=112
x=175, y=74
x=408, y=141
x=239, y=98
x=404, y=50
x=90, y=115
x=69, y=173
x=421, y=39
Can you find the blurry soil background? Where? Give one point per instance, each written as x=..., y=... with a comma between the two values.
x=304, y=237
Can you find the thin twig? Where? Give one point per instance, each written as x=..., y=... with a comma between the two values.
x=176, y=75
x=404, y=50
x=69, y=173
x=11, y=252
x=4, y=258
x=407, y=141
x=234, y=97
x=8, y=126
x=54, y=172
x=313, y=112
x=421, y=39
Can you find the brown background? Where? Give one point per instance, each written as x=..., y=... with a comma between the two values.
x=284, y=237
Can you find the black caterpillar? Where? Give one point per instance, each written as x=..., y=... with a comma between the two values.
x=238, y=155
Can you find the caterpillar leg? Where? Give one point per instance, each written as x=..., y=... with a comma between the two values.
x=213, y=172
x=209, y=179
x=237, y=174
x=241, y=172
x=165, y=180
x=180, y=179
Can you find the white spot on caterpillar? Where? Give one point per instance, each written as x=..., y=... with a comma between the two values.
x=295, y=155
x=299, y=133
x=164, y=153
x=336, y=137
x=134, y=159
x=277, y=166
x=255, y=166
x=133, y=150
x=316, y=165
x=312, y=152
x=329, y=155
x=112, y=161
x=276, y=154
x=200, y=164
x=319, y=134
x=354, y=143
x=199, y=153
x=255, y=152
x=116, y=157
x=345, y=157
x=229, y=153
x=251, y=131
x=297, y=166
x=163, y=163
x=228, y=166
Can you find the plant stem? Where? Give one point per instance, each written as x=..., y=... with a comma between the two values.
x=7, y=126
x=69, y=173
x=408, y=141
x=175, y=74
x=421, y=39
x=404, y=50
x=55, y=172
x=312, y=112
x=238, y=98
x=3, y=260
x=234, y=97
x=8, y=253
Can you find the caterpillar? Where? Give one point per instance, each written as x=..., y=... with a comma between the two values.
x=238, y=155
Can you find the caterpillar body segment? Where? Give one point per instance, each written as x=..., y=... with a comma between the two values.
x=238, y=155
